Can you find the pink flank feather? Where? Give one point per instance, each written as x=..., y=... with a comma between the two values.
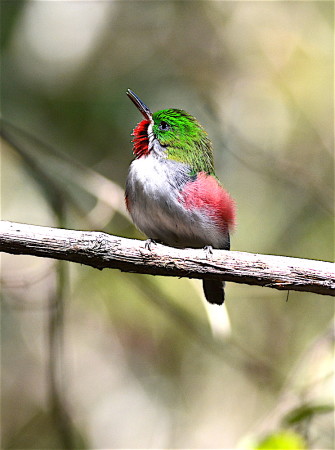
x=207, y=194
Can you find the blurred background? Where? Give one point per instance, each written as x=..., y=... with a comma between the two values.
x=107, y=359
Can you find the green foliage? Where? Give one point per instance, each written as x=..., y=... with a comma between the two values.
x=282, y=440
x=306, y=412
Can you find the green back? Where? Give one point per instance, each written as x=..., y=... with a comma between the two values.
x=184, y=138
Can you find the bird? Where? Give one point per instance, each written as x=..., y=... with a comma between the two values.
x=172, y=193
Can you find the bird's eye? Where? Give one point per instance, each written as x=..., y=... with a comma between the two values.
x=164, y=126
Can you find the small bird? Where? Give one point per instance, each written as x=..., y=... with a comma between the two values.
x=172, y=193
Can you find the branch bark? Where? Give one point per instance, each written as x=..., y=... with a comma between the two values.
x=101, y=250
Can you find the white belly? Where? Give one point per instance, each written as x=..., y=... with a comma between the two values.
x=153, y=190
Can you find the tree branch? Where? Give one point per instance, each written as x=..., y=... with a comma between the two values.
x=101, y=250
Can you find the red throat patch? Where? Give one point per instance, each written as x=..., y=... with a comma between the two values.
x=141, y=140
x=207, y=194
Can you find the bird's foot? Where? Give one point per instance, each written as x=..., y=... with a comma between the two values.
x=209, y=251
x=149, y=243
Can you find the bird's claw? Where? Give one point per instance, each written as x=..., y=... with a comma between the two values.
x=148, y=244
x=209, y=251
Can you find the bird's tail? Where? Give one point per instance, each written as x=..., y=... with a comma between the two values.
x=214, y=291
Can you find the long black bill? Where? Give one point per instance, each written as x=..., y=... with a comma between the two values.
x=139, y=104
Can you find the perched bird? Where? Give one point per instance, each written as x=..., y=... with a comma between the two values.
x=172, y=193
